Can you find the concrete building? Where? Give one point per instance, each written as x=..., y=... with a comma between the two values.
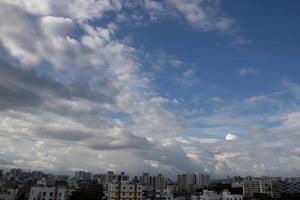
x=186, y=182
x=210, y=195
x=202, y=180
x=261, y=185
x=124, y=191
x=16, y=172
x=10, y=194
x=82, y=175
x=228, y=196
x=290, y=186
x=110, y=177
x=48, y=193
x=149, y=182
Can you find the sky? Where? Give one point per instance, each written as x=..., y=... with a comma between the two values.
x=138, y=86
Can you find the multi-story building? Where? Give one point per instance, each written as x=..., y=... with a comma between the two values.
x=82, y=175
x=57, y=191
x=228, y=196
x=37, y=174
x=16, y=172
x=260, y=185
x=124, y=191
x=110, y=177
x=210, y=195
x=158, y=182
x=236, y=179
x=10, y=194
x=48, y=193
x=290, y=186
x=202, y=180
x=186, y=182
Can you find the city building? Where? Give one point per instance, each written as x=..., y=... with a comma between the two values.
x=149, y=182
x=16, y=172
x=110, y=177
x=261, y=185
x=210, y=195
x=228, y=196
x=290, y=186
x=48, y=193
x=82, y=175
x=124, y=191
x=186, y=182
x=202, y=180
x=10, y=194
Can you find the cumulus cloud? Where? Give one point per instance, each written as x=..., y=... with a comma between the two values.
x=72, y=91
x=204, y=15
x=231, y=137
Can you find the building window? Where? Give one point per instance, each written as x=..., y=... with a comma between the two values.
x=44, y=193
x=51, y=194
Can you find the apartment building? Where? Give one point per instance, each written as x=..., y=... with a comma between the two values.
x=158, y=182
x=124, y=191
x=261, y=185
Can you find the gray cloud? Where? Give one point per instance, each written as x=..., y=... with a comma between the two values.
x=94, y=103
x=124, y=141
x=68, y=135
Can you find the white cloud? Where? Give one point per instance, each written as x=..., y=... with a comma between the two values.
x=231, y=137
x=248, y=71
x=93, y=103
x=75, y=9
x=203, y=15
x=292, y=87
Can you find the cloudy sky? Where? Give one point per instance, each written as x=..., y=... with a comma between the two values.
x=141, y=85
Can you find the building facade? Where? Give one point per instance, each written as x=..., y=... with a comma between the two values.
x=261, y=185
x=124, y=191
x=186, y=182
x=149, y=182
x=202, y=180
x=82, y=175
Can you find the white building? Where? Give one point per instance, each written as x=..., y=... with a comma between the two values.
x=48, y=193
x=124, y=191
x=210, y=195
x=227, y=196
x=260, y=185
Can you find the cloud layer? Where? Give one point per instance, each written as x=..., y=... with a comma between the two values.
x=72, y=91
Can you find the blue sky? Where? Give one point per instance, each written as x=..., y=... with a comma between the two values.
x=160, y=86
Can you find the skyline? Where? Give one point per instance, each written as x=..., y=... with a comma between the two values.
x=160, y=86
